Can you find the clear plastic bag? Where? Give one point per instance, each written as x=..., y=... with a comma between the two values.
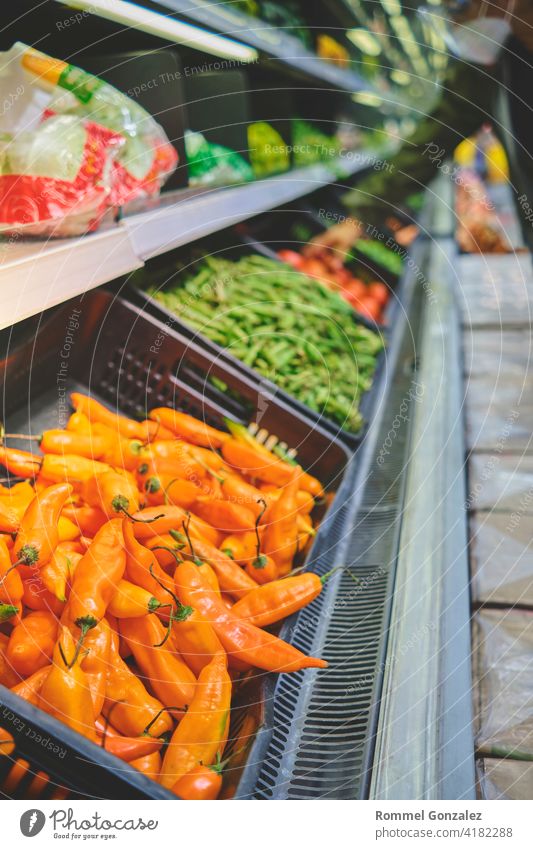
x=71, y=147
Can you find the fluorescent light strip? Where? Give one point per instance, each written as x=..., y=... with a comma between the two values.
x=131, y=15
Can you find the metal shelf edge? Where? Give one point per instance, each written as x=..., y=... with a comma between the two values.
x=35, y=276
x=163, y=229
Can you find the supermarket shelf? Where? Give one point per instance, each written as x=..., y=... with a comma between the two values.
x=35, y=276
x=160, y=230
x=269, y=40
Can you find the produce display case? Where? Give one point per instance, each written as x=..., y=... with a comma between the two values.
x=388, y=529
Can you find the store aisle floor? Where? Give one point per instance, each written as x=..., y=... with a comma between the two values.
x=496, y=300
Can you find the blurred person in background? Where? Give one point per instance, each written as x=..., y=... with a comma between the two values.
x=489, y=80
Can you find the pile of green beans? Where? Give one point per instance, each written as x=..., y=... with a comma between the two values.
x=288, y=327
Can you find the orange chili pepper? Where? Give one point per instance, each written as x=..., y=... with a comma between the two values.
x=22, y=464
x=172, y=456
x=59, y=569
x=119, y=451
x=95, y=663
x=225, y=516
x=65, y=692
x=262, y=569
x=201, y=783
x=231, y=578
x=112, y=492
x=89, y=445
x=8, y=676
x=38, y=536
x=7, y=743
x=279, y=599
x=30, y=688
x=161, y=520
x=189, y=428
x=11, y=586
x=149, y=765
x=164, y=488
x=15, y=776
x=238, y=491
x=97, y=575
x=305, y=500
x=201, y=735
x=37, y=785
x=196, y=641
x=67, y=530
x=131, y=601
x=239, y=638
x=36, y=596
x=240, y=547
x=79, y=423
x=9, y=519
x=96, y=412
x=71, y=468
x=142, y=567
x=281, y=536
x=170, y=678
x=266, y=466
x=128, y=703
x=31, y=643
x=88, y=519
x=130, y=748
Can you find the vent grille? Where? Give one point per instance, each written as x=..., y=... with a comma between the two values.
x=323, y=723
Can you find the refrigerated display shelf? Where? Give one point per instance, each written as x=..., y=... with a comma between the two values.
x=288, y=49
x=36, y=275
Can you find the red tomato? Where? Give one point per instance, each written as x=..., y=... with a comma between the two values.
x=292, y=257
x=379, y=291
x=370, y=308
x=356, y=289
x=314, y=268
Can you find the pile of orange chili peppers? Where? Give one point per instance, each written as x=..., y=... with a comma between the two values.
x=139, y=565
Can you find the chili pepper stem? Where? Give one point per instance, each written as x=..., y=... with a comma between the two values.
x=84, y=623
x=196, y=560
x=167, y=487
x=213, y=474
x=121, y=509
x=260, y=560
x=146, y=731
x=331, y=572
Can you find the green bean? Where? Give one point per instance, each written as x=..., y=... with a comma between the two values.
x=286, y=326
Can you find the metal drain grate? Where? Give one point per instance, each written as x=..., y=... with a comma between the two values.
x=320, y=739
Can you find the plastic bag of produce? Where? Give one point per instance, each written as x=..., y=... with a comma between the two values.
x=269, y=153
x=71, y=147
x=213, y=164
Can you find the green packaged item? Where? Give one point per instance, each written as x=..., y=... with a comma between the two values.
x=269, y=153
x=380, y=254
x=213, y=164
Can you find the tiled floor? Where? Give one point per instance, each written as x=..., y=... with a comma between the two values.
x=495, y=296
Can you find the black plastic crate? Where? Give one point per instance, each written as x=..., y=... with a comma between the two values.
x=232, y=245
x=132, y=362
